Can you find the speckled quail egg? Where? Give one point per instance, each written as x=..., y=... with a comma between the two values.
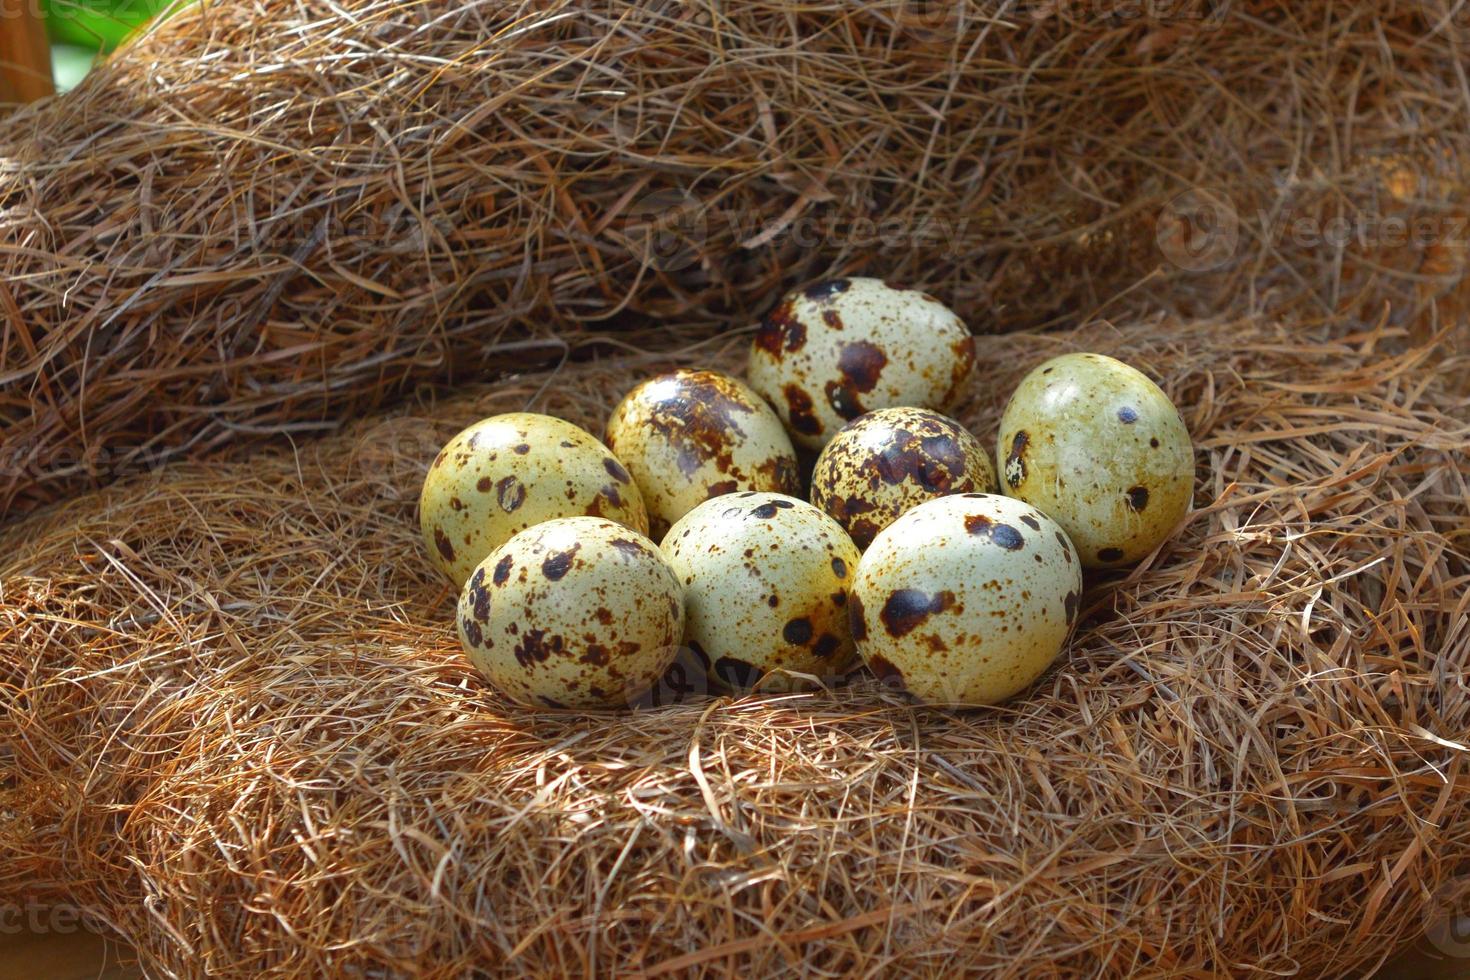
x=578, y=611
x=508, y=472
x=692, y=435
x=1096, y=445
x=881, y=464
x=765, y=581
x=836, y=349
x=965, y=599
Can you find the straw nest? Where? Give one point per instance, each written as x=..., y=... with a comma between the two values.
x=268, y=217
x=240, y=730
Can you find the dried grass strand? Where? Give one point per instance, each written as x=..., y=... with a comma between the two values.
x=265, y=218
x=237, y=725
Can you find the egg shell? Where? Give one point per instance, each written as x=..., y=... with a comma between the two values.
x=690, y=436
x=837, y=349
x=510, y=472
x=765, y=579
x=1096, y=445
x=574, y=612
x=883, y=463
x=965, y=599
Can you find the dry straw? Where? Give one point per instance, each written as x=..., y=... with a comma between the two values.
x=271, y=216
x=233, y=720
x=240, y=730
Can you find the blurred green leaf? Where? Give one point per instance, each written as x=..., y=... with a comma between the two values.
x=100, y=25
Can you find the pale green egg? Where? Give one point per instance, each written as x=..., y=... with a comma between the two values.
x=574, y=612
x=689, y=436
x=835, y=350
x=510, y=472
x=1098, y=447
x=965, y=599
x=765, y=580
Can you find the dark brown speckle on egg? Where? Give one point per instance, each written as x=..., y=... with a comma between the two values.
x=616, y=470
x=886, y=672
x=502, y=570
x=799, y=411
x=1016, y=459
x=736, y=672
x=906, y=609
x=556, y=566
x=798, y=631
x=856, y=622
x=826, y=289
x=473, y=632
x=510, y=493
x=781, y=332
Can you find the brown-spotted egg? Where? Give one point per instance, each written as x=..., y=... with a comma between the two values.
x=965, y=599
x=765, y=581
x=1095, y=444
x=509, y=472
x=692, y=435
x=881, y=464
x=837, y=349
x=574, y=612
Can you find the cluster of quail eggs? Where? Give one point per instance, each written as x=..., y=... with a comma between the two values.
x=680, y=545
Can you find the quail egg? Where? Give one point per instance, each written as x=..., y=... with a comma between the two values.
x=965, y=599
x=765, y=581
x=574, y=612
x=836, y=349
x=506, y=473
x=881, y=464
x=1099, y=447
x=692, y=435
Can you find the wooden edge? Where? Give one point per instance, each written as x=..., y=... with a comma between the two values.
x=25, y=52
